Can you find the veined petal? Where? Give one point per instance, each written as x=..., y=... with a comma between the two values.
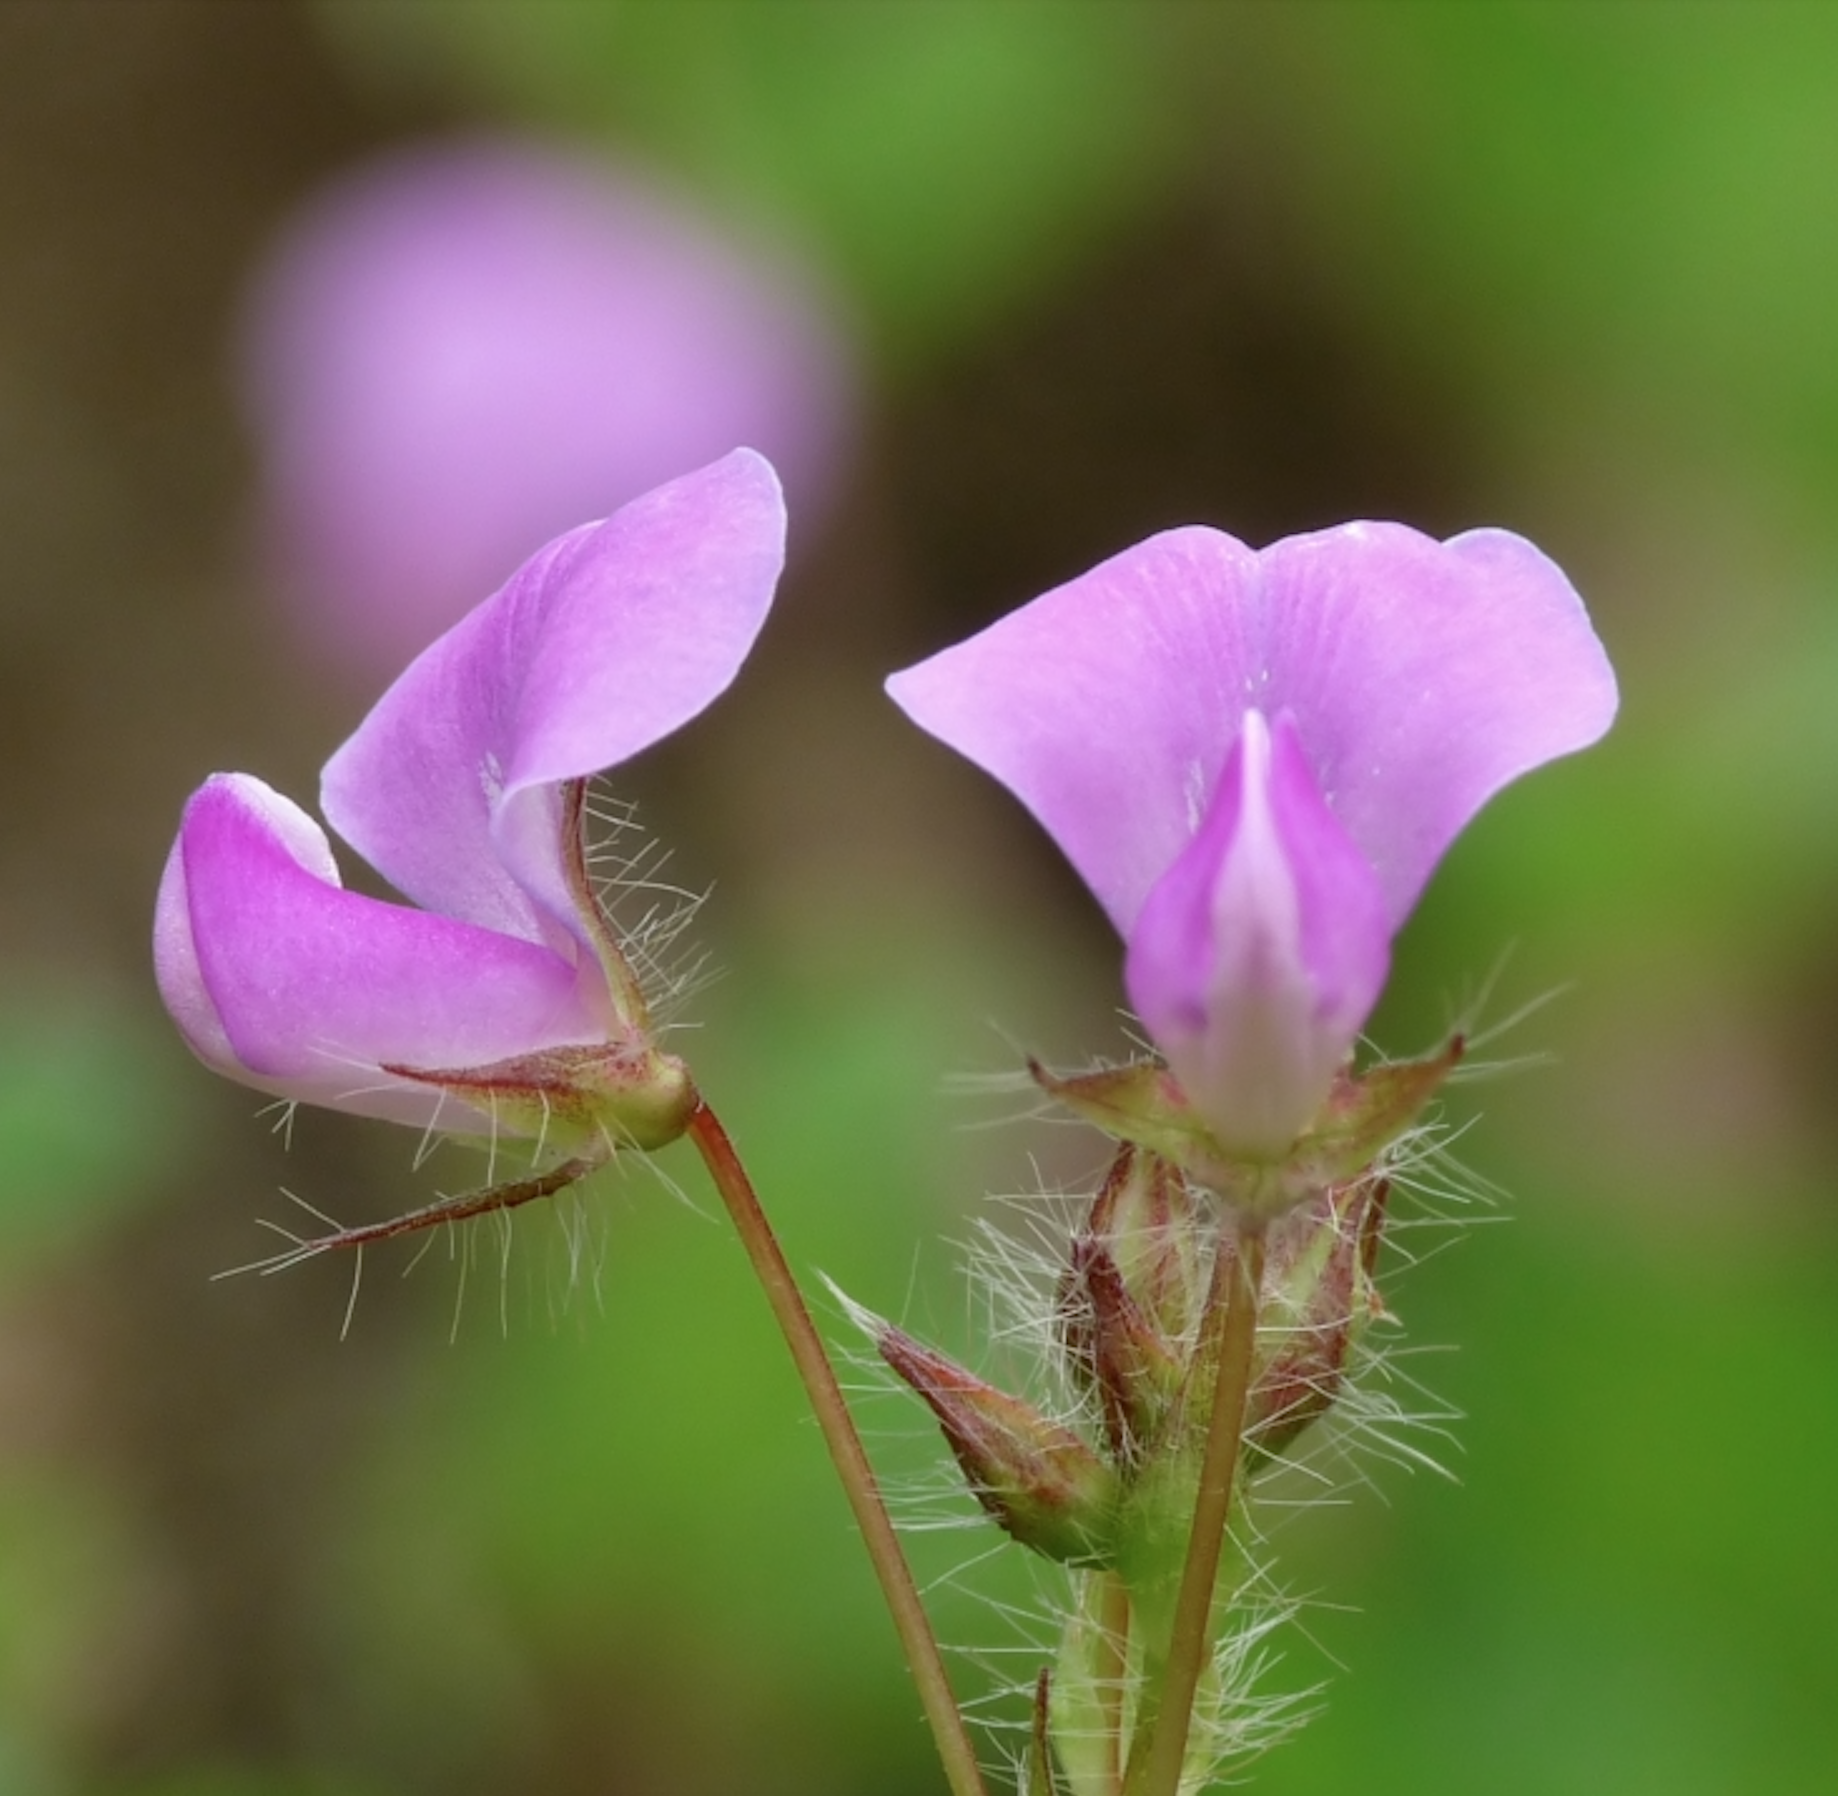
x=284, y=980
x=1107, y=705
x=1422, y=677
x=1260, y=952
x=609, y=639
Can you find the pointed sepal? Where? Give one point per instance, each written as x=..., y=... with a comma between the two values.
x=1364, y=1114
x=1141, y=1103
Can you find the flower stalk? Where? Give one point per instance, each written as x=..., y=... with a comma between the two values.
x=845, y=1446
x=1159, y=1747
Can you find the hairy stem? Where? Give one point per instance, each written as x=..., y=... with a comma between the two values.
x=1112, y=1672
x=1160, y=1744
x=846, y=1451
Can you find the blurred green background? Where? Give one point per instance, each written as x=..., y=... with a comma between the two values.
x=1564, y=267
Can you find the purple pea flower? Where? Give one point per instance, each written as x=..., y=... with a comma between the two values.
x=504, y=1003
x=458, y=350
x=1255, y=758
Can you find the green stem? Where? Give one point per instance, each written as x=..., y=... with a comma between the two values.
x=1160, y=1744
x=846, y=1450
x=1111, y=1672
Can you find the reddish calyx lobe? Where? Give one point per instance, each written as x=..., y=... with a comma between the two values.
x=620, y=1093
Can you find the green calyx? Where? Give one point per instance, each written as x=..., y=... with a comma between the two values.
x=1364, y=1114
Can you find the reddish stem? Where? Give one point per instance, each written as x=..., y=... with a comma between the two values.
x=846, y=1450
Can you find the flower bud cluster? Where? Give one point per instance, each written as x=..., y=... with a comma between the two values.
x=1109, y=1490
x=1127, y=1314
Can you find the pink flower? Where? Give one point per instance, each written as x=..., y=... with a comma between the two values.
x=501, y=1003
x=1256, y=758
x=459, y=351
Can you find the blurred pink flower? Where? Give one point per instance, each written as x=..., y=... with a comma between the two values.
x=1256, y=758
x=457, y=789
x=459, y=351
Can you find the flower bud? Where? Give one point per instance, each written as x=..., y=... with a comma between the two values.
x=1318, y=1297
x=1147, y=1218
x=1129, y=1296
x=1037, y=1479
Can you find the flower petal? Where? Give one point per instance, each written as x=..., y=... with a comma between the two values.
x=1421, y=676
x=282, y=979
x=609, y=639
x=175, y=952
x=1425, y=676
x=1108, y=704
x=1260, y=952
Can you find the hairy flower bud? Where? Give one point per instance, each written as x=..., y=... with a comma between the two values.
x=1041, y=1482
x=1129, y=1296
x=1147, y=1217
x=1318, y=1297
